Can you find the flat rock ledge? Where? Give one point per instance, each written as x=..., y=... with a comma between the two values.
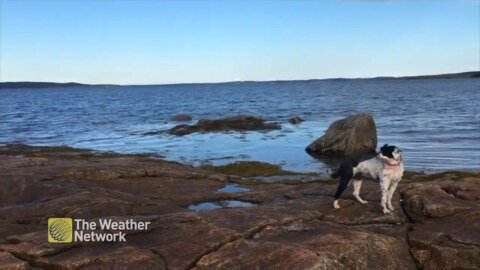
x=436, y=224
x=234, y=123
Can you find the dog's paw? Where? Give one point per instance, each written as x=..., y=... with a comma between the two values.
x=335, y=205
x=386, y=211
x=391, y=207
x=363, y=202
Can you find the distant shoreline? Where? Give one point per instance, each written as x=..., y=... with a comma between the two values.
x=27, y=84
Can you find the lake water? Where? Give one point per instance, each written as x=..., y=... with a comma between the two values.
x=435, y=122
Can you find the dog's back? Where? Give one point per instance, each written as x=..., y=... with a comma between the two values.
x=347, y=167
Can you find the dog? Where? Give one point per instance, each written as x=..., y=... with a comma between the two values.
x=385, y=166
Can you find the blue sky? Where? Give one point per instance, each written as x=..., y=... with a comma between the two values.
x=147, y=42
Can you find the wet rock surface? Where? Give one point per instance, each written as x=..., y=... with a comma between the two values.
x=248, y=169
x=352, y=135
x=436, y=224
x=234, y=123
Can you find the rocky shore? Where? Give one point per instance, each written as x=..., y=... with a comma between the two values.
x=280, y=225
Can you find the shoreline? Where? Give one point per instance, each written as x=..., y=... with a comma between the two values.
x=427, y=142
x=218, y=220
x=255, y=164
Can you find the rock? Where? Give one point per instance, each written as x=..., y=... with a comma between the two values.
x=291, y=225
x=235, y=123
x=8, y=261
x=248, y=169
x=295, y=120
x=355, y=134
x=121, y=258
x=311, y=245
x=430, y=200
x=293, y=178
x=446, y=232
x=181, y=118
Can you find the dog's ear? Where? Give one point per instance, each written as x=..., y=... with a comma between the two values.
x=383, y=147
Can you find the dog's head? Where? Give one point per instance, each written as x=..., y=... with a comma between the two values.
x=391, y=151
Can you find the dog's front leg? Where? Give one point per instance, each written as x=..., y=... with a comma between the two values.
x=391, y=190
x=384, y=185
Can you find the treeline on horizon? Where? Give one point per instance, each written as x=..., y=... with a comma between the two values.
x=462, y=75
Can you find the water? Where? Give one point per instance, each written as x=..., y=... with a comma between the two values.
x=233, y=189
x=435, y=122
x=214, y=205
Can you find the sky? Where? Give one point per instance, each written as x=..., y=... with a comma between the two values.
x=161, y=42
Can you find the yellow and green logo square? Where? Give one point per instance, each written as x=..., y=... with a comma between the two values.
x=60, y=230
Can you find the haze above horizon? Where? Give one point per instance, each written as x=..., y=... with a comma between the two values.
x=153, y=42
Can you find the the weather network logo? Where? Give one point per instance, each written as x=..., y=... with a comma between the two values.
x=60, y=230
x=68, y=230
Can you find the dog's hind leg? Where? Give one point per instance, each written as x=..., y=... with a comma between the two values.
x=346, y=175
x=341, y=188
x=357, y=185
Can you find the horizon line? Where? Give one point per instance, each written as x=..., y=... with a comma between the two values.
x=248, y=81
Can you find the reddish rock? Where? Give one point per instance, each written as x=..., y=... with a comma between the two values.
x=311, y=245
x=447, y=232
x=127, y=257
x=10, y=262
x=436, y=226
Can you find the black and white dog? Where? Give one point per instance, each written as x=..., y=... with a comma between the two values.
x=386, y=166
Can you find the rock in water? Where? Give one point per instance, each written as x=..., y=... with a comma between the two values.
x=296, y=120
x=235, y=123
x=355, y=134
x=181, y=118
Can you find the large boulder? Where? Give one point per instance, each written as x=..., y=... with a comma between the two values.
x=355, y=134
